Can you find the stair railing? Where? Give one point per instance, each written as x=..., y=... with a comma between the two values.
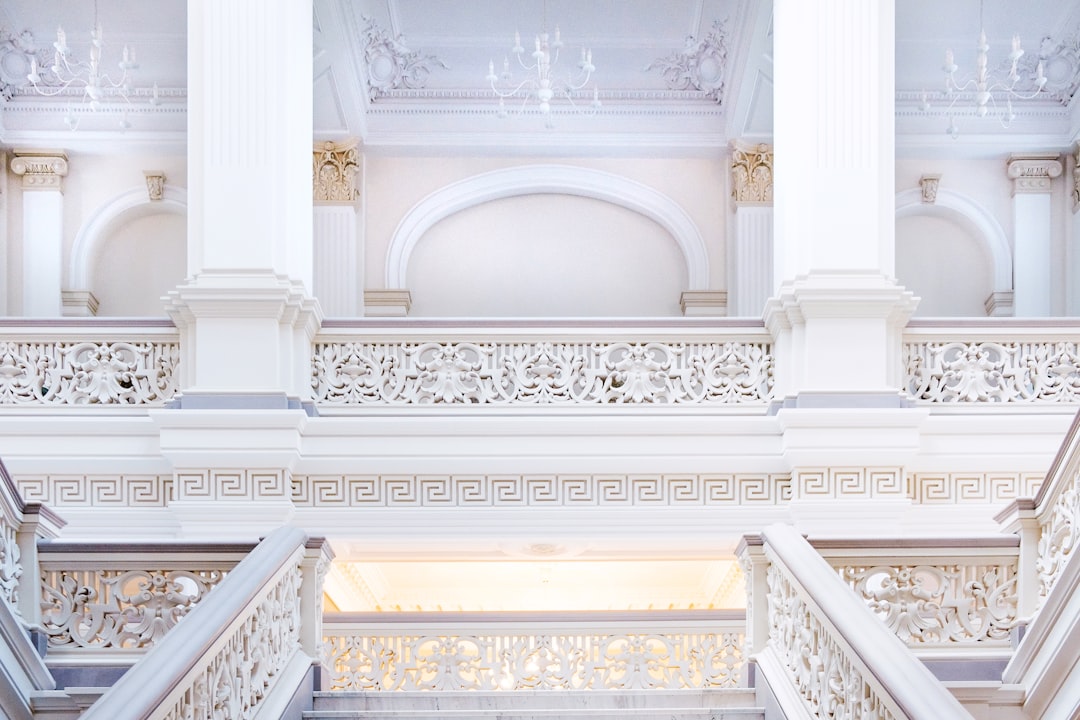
x=245, y=649
x=820, y=650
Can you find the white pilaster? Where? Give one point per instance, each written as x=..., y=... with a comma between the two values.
x=336, y=242
x=751, y=275
x=246, y=313
x=42, y=174
x=1072, y=246
x=1032, y=177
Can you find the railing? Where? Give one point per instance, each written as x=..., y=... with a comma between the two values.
x=89, y=362
x=371, y=363
x=506, y=652
x=992, y=361
x=822, y=651
x=247, y=640
x=112, y=602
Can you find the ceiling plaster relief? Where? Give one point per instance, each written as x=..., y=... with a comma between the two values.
x=1061, y=63
x=700, y=65
x=16, y=54
x=391, y=65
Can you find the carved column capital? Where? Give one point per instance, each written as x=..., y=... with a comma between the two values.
x=752, y=174
x=334, y=170
x=40, y=169
x=1033, y=173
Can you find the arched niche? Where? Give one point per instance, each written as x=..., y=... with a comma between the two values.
x=969, y=236
x=547, y=180
x=129, y=215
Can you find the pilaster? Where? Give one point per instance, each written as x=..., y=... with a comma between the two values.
x=42, y=173
x=1072, y=250
x=335, y=171
x=1032, y=177
x=751, y=279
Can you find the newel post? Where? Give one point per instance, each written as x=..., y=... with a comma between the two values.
x=755, y=567
x=313, y=568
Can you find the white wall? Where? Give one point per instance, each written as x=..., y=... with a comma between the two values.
x=139, y=262
x=944, y=265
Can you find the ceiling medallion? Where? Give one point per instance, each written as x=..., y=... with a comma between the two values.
x=700, y=65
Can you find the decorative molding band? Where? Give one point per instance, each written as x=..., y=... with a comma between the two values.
x=148, y=491
x=523, y=659
x=703, y=303
x=1009, y=372
x=334, y=170
x=40, y=169
x=88, y=373
x=390, y=64
x=700, y=65
x=579, y=373
x=848, y=483
x=1033, y=173
x=232, y=484
x=538, y=490
x=387, y=303
x=928, y=185
x=964, y=488
x=752, y=174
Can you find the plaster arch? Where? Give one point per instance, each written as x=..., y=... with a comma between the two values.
x=540, y=179
x=964, y=211
x=123, y=208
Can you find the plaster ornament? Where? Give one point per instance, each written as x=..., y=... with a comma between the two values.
x=16, y=55
x=334, y=170
x=929, y=186
x=391, y=65
x=1076, y=180
x=10, y=566
x=1059, y=534
x=40, y=170
x=1060, y=57
x=1033, y=173
x=700, y=65
x=155, y=184
x=752, y=174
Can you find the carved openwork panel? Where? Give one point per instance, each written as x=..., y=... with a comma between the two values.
x=118, y=608
x=819, y=666
x=233, y=682
x=964, y=372
x=939, y=604
x=1059, y=534
x=541, y=373
x=87, y=373
x=10, y=565
x=529, y=661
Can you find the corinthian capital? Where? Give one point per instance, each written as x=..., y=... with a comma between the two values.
x=40, y=169
x=334, y=168
x=752, y=174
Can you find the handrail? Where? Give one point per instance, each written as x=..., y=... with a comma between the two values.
x=810, y=605
x=166, y=676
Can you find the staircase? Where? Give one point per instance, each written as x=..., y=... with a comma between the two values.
x=712, y=704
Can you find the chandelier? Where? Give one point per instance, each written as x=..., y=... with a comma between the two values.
x=541, y=84
x=985, y=86
x=98, y=85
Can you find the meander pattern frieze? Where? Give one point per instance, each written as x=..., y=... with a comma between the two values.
x=542, y=373
x=819, y=666
x=534, y=661
x=124, y=609
x=97, y=490
x=538, y=490
x=939, y=605
x=88, y=373
x=1059, y=534
x=233, y=683
x=952, y=488
x=1005, y=372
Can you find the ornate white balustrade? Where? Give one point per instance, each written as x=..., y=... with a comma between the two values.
x=88, y=363
x=945, y=594
x=685, y=363
x=505, y=652
x=117, y=600
x=1019, y=361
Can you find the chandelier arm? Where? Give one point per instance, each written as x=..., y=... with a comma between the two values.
x=514, y=92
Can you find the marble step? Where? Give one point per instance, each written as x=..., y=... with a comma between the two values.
x=540, y=705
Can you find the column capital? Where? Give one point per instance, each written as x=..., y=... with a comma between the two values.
x=40, y=169
x=752, y=174
x=334, y=170
x=1033, y=173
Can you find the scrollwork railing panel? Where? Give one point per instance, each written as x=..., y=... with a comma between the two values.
x=939, y=605
x=993, y=372
x=88, y=373
x=1059, y=532
x=10, y=562
x=533, y=661
x=542, y=373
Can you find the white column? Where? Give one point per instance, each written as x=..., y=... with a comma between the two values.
x=1032, y=177
x=337, y=274
x=43, y=229
x=750, y=279
x=246, y=313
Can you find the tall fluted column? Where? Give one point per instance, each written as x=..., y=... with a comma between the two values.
x=42, y=174
x=1032, y=177
x=750, y=281
x=337, y=276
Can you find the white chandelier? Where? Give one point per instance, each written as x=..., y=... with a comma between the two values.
x=541, y=85
x=67, y=72
x=986, y=87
